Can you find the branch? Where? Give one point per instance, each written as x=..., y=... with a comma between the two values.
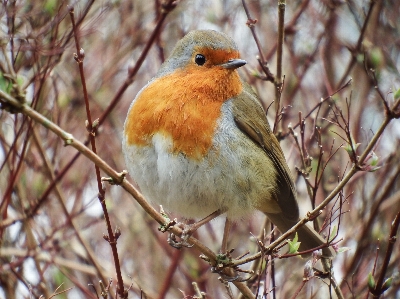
x=314, y=213
x=381, y=286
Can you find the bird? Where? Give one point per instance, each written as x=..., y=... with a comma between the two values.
x=197, y=141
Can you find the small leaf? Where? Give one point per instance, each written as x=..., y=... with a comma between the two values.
x=387, y=284
x=333, y=233
x=20, y=80
x=371, y=162
x=374, y=159
x=294, y=245
x=397, y=94
x=343, y=249
x=50, y=6
x=223, y=259
x=5, y=84
x=376, y=57
x=375, y=169
x=296, y=238
x=360, y=58
x=371, y=282
x=349, y=147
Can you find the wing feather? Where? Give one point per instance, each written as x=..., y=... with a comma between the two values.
x=250, y=118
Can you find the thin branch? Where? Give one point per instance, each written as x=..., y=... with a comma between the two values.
x=112, y=237
x=323, y=100
x=311, y=215
x=281, y=33
x=166, y=9
x=379, y=286
x=359, y=43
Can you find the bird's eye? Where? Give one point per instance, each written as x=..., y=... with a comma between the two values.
x=200, y=59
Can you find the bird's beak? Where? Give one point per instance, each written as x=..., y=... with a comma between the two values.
x=233, y=63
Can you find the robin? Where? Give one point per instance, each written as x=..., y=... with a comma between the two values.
x=197, y=141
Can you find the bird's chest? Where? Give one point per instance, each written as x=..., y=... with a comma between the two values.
x=189, y=144
x=194, y=186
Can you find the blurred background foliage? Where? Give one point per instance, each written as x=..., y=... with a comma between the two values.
x=51, y=222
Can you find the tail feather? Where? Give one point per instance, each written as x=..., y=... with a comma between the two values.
x=308, y=237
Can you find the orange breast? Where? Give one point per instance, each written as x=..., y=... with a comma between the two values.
x=184, y=106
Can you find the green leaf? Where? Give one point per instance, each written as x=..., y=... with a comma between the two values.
x=343, y=249
x=50, y=6
x=376, y=57
x=397, y=94
x=348, y=146
x=60, y=281
x=374, y=159
x=223, y=259
x=371, y=281
x=375, y=169
x=387, y=284
x=296, y=238
x=5, y=84
x=294, y=245
x=360, y=58
x=333, y=233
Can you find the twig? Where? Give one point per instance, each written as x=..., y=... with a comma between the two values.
x=176, y=258
x=327, y=265
x=166, y=9
x=272, y=265
x=359, y=44
x=78, y=232
x=378, y=200
x=379, y=286
x=250, y=23
x=112, y=237
x=323, y=100
x=60, y=292
x=278, y=78
x=311, y=215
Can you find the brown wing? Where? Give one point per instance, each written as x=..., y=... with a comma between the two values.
x=251, y=120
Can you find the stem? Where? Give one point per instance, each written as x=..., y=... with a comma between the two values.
x=329, y=198
x=112, y=237
x=278, y=78
x=132, y=73
x=392, y=239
